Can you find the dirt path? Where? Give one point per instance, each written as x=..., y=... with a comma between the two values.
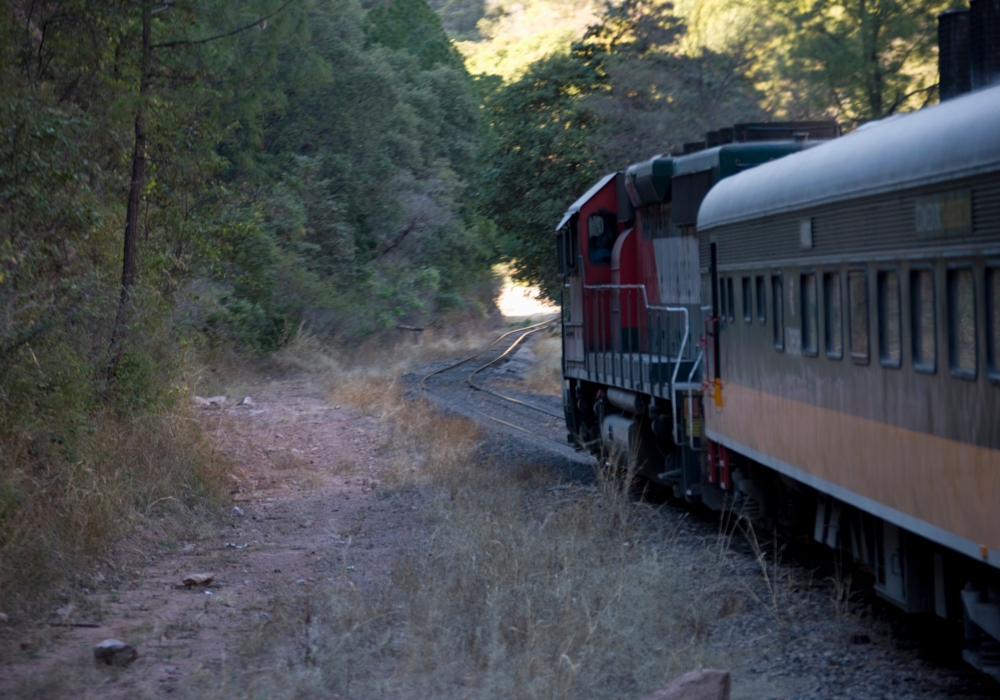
x=305, y=510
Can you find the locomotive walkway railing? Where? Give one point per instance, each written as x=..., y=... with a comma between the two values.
x=633, y=344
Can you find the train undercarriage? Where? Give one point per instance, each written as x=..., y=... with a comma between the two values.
x=663, y=443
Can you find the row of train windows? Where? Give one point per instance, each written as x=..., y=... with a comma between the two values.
x=960, y=293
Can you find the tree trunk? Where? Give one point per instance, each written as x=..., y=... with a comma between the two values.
x=120, y=330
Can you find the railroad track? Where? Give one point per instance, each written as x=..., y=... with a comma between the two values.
x=467, y=393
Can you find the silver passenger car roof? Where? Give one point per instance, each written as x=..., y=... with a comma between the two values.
x=958, y=138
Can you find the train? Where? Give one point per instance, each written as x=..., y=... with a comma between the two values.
x=803, y=327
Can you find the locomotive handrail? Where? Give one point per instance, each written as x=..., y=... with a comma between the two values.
x=677, y=364
x=690, y=406
x=694, y=367
x=680, y=350
x=641, y=287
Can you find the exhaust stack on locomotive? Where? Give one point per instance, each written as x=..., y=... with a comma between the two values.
x=969, y=48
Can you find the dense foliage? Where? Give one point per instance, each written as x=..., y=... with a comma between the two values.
x=624, y=93
x=264, y=166
x=180, y=175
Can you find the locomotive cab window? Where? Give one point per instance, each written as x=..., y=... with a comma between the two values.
x=922, y=321
x=761, y=300
x=572, y=244
x=601, y=234
x=567, y=250
x=962, y=323
x=561, y=253
x=810, y=320
x=889, y=331
x=857, y=305
x=833, y=317
x=747, y=301
x=778, y=298
x=993, y=320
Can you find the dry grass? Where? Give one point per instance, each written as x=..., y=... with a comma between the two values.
x=517, y=586
x=383, y=357
x=126, y=471
x=521, y=591
x=546, y=376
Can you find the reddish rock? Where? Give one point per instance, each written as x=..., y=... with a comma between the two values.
x=704, y=684
x=198, y=579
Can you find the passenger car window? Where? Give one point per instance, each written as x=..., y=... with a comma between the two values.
x=723, y=312
x=778, y=297
x=924, y=328
x=810, y=321
x=890, y=351
x=962, y=323
x=833, y=319
x=857, y=305
x=761, y=300
x=993, y=319
x=732, y=300
x=747, y=301
x=601, y=236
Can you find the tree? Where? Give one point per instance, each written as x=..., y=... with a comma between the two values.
x=858, y=60
x=626, y=92
x=664, y=90
x=139, y=151
x=412, y=25
x=541, y=158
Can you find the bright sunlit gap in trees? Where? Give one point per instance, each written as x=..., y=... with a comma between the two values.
x=518, y=300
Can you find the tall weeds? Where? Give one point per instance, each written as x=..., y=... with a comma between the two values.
x=55, y=512
x=82, y=463
x=545, y=377
x=523, y=588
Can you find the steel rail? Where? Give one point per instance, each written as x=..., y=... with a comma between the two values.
x=470, y=358
x=525, y=332
x=471, y=382
x=464, y=407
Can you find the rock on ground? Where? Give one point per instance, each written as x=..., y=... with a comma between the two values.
x=115, y=652
x=704, y=684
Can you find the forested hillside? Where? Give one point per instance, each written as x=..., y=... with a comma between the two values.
x=181, y=176
x=176, y=176
x=648, y=76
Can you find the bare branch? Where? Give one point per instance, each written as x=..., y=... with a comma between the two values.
x=239, y=30
x=415, y=225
